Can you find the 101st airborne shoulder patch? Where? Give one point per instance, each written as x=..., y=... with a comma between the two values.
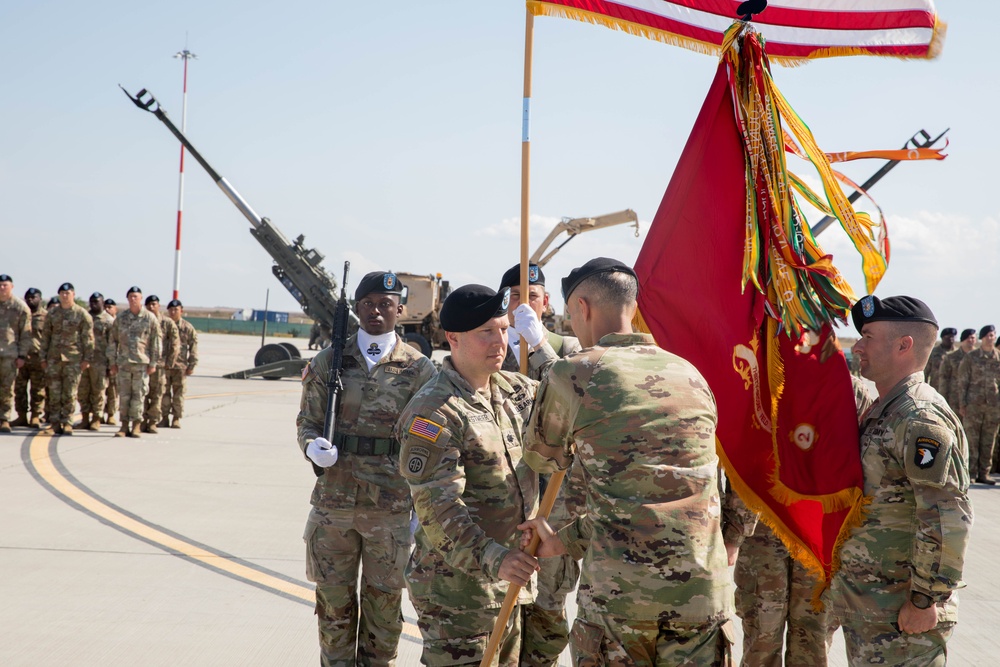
x=928, y=453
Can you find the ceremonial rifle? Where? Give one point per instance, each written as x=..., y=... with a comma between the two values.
x=334, y=385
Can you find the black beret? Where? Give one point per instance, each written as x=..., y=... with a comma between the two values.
x=53, y=301
x=133, y=290
x=950, y=331
x=890, y=309
x=66, y=287
x=110, y=302
x=591, y=268
x=471, y=306
x=96, y=295
x=152, y=298
x=378, y=282
x=966, y=333
x=4, y=278
x=513, y=276
x=175, y=303
x=32, y=291
x=987, y=329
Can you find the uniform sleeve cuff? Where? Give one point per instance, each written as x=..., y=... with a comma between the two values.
x=493, y=556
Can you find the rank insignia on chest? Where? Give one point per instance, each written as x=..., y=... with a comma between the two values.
x=925, y=453
x=426, y=429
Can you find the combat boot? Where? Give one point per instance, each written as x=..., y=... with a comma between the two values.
x=67, y=429
x=22, y=420
x=123, y=431
x=151, y=428
x=164, y=423
x=176, y=423
x=111, y=421
x=95, y=424
x=52, y=429
x=143, y=426
x=35, y=422
x=84, y=420
x=136, y=427
x=5, y=426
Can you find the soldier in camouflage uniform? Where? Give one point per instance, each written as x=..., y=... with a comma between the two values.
x=894, y=593
x=361, y=504
x=948, y=370
x=461, y=454
x=94, y=381
x=169, y=349
x=111, y=398
x=946, y=345
x=176, y=376
x=66, y=352
x=546, y=627
x=774, y=596
x=132, y=356
x=640, y=421
x=979, y=403
x=15, y=343
x=30, y=399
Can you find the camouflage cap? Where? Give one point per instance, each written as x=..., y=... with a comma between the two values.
x=378, y=282
x=513, y=276
x=471, y=306
x=175, y=303
x=67, y=287
x=891, y=309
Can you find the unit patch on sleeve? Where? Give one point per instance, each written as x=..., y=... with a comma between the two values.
x=416, y=460
x=928, y=452
x=426, y=429
x=925, y=452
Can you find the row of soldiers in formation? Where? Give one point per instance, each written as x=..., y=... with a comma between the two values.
x=967, y=375
x=50, y=358
x=468, y=448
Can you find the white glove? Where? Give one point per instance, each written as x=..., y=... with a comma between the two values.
x=322, y=452
x=528, y=326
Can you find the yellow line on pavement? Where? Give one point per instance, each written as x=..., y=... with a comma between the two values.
x=38, y=453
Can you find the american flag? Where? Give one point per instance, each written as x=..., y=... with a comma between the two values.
x=425, y=429
x=795, y=30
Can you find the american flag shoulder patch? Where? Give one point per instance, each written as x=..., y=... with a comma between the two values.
x=426, y=429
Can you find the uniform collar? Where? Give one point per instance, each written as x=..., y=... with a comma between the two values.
x=497, y=382
x=624, y=340
x=901, y=388
x=396, y=354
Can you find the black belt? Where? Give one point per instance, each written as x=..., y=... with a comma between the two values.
x=364, y=445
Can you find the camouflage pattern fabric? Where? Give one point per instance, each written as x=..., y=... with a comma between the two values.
x=133, y=385
x=175, y=378
x=883, y=644
x=135, y=339
x=32, y=374
x=948, y=376
x=916, y=528
x=651, y=542
x=134, y=347
x=773, y=589
x=446, y=638
x=361, y=505
x=94, y=380
x=111, y=397
x=462, y=457
x=545, y=625
x=979, y=394
x=738, y=521
x=608, y=641
x=67, y=340
x=934, y=363
x=170, y=346
x=15, y=341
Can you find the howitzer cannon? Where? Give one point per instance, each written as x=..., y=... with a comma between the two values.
x=298, y=268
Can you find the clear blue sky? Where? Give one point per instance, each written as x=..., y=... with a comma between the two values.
x=389, y=134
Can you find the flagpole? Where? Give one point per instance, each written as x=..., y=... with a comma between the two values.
x=529, y=29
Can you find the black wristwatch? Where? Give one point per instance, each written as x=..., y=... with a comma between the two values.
x=920, y=600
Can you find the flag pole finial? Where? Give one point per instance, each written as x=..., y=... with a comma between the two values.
x=747, y=9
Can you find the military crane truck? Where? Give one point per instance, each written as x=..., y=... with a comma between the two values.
x=298, y=268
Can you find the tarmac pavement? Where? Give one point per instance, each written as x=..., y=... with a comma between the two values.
x=185, y=547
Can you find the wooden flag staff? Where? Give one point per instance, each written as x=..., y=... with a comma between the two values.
x=529, y=29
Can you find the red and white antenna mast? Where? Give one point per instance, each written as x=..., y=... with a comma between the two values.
x=184, y=55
